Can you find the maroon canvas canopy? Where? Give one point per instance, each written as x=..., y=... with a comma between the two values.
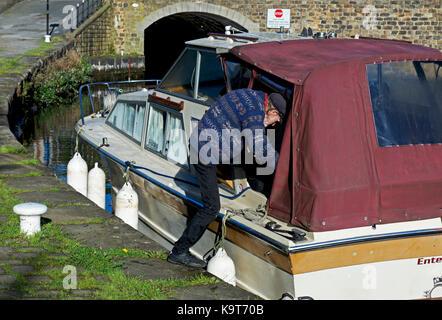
x=332, y=174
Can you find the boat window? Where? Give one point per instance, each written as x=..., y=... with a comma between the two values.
x=175, y=149
x=128, y=117
x=166, y=136
x=212, y=84
x=406, y=99
x=186, y=76
x=238, y=76
x=179, y=78
x=156, y=130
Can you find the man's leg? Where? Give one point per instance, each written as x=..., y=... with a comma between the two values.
x=211, y=205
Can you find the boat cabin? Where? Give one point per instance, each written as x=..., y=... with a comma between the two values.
x=362, y=141
x=359, y=167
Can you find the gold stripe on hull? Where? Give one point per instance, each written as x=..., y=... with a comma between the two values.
x=368, y=252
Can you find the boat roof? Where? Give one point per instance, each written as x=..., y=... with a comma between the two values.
x=224, y=43
x=294, y=60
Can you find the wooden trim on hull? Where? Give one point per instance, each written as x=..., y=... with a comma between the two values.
x=369, y=252
x=255, y=246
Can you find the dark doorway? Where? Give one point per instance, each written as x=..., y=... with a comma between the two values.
x=164, y=40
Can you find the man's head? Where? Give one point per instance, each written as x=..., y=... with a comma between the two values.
x=275, y=109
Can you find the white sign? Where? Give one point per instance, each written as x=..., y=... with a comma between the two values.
x=277, y=18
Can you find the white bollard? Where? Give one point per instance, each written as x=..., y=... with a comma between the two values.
x=30, y=213
x=126, y=205
x=222, y=266
x=77, y=174
x=96, y=186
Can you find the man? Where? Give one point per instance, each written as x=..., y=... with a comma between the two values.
x=234, y=113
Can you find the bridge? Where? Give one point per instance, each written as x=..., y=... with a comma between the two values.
x=158, y=28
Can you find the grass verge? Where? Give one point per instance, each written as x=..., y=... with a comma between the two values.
x=100, y=272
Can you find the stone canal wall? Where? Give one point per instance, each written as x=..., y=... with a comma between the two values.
x=417, y=21
x=96, y=35
x=11, y=86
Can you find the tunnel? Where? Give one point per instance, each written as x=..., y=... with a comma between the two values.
x=165, y=39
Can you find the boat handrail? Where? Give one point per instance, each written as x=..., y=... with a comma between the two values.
x=154, y=82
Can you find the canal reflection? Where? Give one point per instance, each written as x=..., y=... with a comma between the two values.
x=51, y=137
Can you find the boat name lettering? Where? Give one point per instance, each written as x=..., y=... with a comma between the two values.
x=429, y=260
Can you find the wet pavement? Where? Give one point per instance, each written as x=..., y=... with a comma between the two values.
x=23, y=25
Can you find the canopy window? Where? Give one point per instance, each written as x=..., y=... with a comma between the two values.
x=406, y=99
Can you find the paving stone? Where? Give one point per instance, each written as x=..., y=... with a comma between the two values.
x=38, y=279
x=77, y=292
x=8, y=158
x=35, y=279
x=217, y=291
x=6, y=279
x=23, y=269
x=36, y=183
x=25, y=255
x=17, y=169
x=100, y=236
x=47, y=293
x=5, y=252
x=11, y=295
x=11, y=262
x=54, y=197
x=78, y=213
x=157, y=269
x=33, y=249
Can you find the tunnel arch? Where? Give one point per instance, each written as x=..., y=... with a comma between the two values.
x=163, y=33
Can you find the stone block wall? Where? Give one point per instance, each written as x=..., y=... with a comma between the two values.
x=96, y=35
x=418, y=21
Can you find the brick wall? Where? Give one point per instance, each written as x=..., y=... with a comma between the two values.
x=413, y=20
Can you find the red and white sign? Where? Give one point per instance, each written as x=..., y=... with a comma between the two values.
x=277, y=18
x=278, y=13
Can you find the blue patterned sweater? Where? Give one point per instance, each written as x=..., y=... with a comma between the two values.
x=239, y=113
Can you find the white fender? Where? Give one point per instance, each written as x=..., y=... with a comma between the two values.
x=77, y=174
x=96, y=186
x=222, y=266
x=126, y=205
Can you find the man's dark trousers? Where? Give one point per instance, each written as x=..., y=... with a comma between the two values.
x=206, y=175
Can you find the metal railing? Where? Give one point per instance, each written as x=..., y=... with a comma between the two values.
x=86, y=8
x=111, y=89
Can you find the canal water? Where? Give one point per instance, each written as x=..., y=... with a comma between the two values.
x=50, y=136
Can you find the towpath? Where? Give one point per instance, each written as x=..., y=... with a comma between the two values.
x=83, y=251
